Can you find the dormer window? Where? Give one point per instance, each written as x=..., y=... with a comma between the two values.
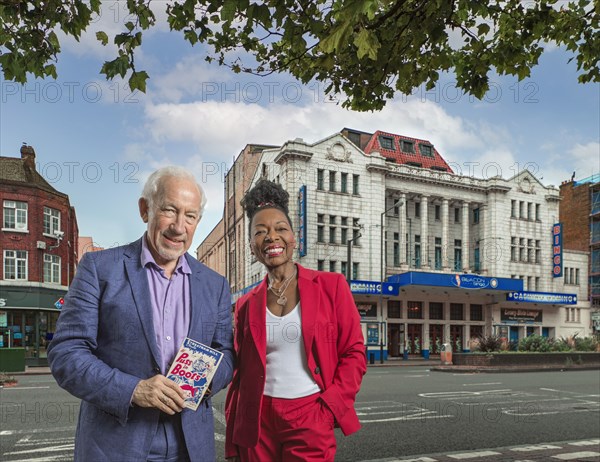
x=414, y=164
x=387, y=142
x=426, y=150
x=408, y=147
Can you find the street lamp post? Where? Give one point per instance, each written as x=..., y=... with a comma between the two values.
x=349, y=256
x=398, y=203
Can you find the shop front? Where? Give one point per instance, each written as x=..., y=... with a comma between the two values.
x=28, y=317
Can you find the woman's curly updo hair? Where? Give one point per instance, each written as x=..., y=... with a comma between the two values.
x=266, y=195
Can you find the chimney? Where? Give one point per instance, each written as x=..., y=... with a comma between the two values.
x=28, y=156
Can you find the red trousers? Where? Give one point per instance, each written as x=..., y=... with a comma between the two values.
x=293, y=430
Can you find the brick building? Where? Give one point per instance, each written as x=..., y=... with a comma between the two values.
x=580, y=217
x=38, y=248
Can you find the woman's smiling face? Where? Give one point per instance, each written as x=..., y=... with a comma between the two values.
x=272, y=239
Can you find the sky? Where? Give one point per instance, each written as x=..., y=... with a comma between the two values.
x=97, y=141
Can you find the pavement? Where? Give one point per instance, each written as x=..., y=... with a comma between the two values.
x=434, y=364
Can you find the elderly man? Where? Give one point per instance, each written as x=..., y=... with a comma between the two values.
x=125, y=316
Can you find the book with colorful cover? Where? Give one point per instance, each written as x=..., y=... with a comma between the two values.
x=193, y=369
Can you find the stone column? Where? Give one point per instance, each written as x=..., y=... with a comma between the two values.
x=445, y=226
x=424, y=233
x=465, y=237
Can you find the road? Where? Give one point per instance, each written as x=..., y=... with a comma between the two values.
x=407, y=413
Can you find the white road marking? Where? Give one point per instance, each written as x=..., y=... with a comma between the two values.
x=480, y=384
x=24, y=388
x=576, y=455
x=219, y=416
x=44, y=459
x=535, y=447
x=585, y=443
x=63, y=447
x=473, y=455
x=36, y=430
x=416, y=417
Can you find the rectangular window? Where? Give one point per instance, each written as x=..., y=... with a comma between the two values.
x=456, y=215
x=438, y=212
x=529, y=283
x=538, y=252
x=344, y=184
x=476, y=312
x=476, y=215
x=15, y=215
x=529, y=211
x=538, y=214
x=387, y=142
x=331, y=181
x=513, y=248
x=513, y=209
x=344, y=237
x=321, y=265
x=521, y=209
x=438, y=253
x=354, y=270
x=394, y=309
x=457, y=312
x=414, y=310
x=355, y=184
x=417, y=209
x=332, y=219
x=320, y=179
x=355, y=238
x=530, y=250
x=396, y=254
x=332, y=235
x=332, y=266
x=426, y=150
x=476, y=260
x=537, y=283
x=436, y=310
x=344, y=221
x=408, y=147
x=344, y=268
x=577, y=276
x=522, y=249
x=51, y=269
x=457, y=254
x=320, y=218
x=51, y=221
x=15, y=265
x=417, y=251
x=320, y=234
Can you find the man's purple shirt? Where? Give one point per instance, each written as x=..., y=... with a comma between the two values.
x=171, y=304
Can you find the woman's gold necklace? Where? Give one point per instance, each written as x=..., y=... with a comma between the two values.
x=279, y=292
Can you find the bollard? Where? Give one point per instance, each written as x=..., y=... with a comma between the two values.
x=371, y=358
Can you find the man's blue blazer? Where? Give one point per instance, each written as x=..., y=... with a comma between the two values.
x=105, y=343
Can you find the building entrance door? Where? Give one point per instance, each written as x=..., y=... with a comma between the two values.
x=394, y=340
x=414, y=339
x=436, y=336
x=456, y=338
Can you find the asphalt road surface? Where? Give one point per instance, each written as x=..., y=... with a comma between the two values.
x=407, y=413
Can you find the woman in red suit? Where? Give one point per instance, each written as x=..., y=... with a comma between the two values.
x=300, y=349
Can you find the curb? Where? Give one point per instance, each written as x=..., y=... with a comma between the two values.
x=509, y=369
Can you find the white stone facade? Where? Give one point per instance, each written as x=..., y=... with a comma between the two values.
x=435, y=222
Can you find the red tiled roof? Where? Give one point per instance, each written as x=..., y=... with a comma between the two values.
x=397, y=155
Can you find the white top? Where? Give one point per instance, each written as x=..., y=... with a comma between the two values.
x=287, y=374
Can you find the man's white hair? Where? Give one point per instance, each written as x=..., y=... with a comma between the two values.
x=152, y=186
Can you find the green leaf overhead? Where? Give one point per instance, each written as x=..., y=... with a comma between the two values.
x=363, y=50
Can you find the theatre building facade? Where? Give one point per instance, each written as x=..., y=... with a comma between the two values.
x=433, y=257
x=38, y=248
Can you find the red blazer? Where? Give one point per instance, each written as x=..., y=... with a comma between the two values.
x=334, y=347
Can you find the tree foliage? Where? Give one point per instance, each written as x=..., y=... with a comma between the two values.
x=365, y=50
